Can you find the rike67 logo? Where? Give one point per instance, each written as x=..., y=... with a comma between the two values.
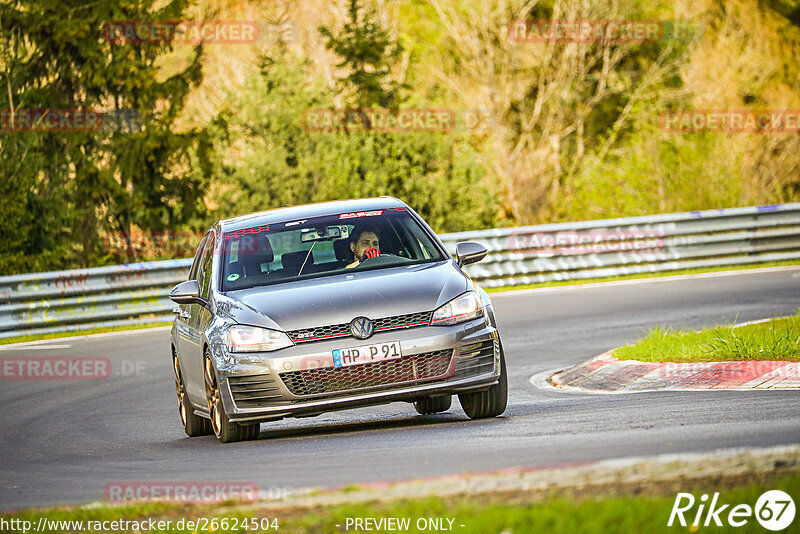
x=774, y=510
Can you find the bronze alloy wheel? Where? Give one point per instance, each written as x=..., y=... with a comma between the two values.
x=224, y=428
x=180, y=390
x=212, y=397
x=193, y=424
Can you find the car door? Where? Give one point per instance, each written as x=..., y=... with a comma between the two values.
x=198, y=315
x=183, y=318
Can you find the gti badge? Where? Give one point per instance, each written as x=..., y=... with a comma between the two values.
x=361, y=327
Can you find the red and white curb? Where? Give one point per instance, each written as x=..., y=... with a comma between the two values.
x=609, y=375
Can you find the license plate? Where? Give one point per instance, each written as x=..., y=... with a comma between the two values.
x=366, y=354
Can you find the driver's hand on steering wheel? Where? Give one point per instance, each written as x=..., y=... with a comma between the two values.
x=371, y=253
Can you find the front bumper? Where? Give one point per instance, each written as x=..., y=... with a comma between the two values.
x=473, y=350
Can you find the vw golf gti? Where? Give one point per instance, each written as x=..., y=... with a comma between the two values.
x=298, y=311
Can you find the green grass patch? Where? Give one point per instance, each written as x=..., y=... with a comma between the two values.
x=644, y=275
x=101, y=330
x=776, y=339
x=478, y=514
x=555, y=515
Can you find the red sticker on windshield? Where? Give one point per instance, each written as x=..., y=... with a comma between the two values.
x=253, y=230
x=360, y=214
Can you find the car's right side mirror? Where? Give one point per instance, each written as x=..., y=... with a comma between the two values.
x=469, y=252
x=187, y=292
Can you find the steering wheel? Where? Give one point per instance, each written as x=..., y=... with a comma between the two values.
x=383, y=258
x=370, y=258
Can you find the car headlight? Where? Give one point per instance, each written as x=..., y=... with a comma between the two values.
x=462, y=308
x=255, y=339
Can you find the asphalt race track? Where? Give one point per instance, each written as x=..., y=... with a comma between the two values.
x=63, y=441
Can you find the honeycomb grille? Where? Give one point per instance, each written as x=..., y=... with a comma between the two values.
x=403, y=321
x=476, y=359
x=406, y=369
x=397, y=322
x=254, y=391
x=313, y=334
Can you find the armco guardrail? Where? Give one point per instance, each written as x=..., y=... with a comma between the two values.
x=78, y=299
x=137, y=293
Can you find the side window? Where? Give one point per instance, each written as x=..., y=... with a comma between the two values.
x=204, y=274
x=196, y=263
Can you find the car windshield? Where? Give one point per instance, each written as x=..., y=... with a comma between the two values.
x=322, y=246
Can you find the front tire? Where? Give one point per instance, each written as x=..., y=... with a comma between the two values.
x=431, y=405
x=226, y=430
x=193, y=425
x=491, y=402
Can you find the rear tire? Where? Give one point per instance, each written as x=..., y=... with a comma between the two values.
x=431, y=405
x=491, y=402
x=226, y=430
x=193, y=425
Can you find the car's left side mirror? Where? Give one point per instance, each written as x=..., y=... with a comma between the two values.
x=469, y=252
x=187, y=292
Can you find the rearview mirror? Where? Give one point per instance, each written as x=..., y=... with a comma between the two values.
x=470, y=252
x=323, y=233
x=186, y=292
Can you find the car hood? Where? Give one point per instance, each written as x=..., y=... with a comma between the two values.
x=340, y=298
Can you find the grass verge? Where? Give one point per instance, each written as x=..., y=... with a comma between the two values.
x=776, y=339
x=556, y=515
x=646, y=511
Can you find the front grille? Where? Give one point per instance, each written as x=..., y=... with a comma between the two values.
x=476, y=359
x=315, y=334
x=402, y=321
x=254, y=390
x=406, y=369
x=396, y=322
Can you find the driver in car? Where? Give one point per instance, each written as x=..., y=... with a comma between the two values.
x=365, y=244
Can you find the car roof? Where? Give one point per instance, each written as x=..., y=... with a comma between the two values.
x=320, y=209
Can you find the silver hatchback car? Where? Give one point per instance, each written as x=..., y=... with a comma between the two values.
x=298, y=311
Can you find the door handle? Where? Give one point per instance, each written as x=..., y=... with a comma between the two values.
x=180, y=313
